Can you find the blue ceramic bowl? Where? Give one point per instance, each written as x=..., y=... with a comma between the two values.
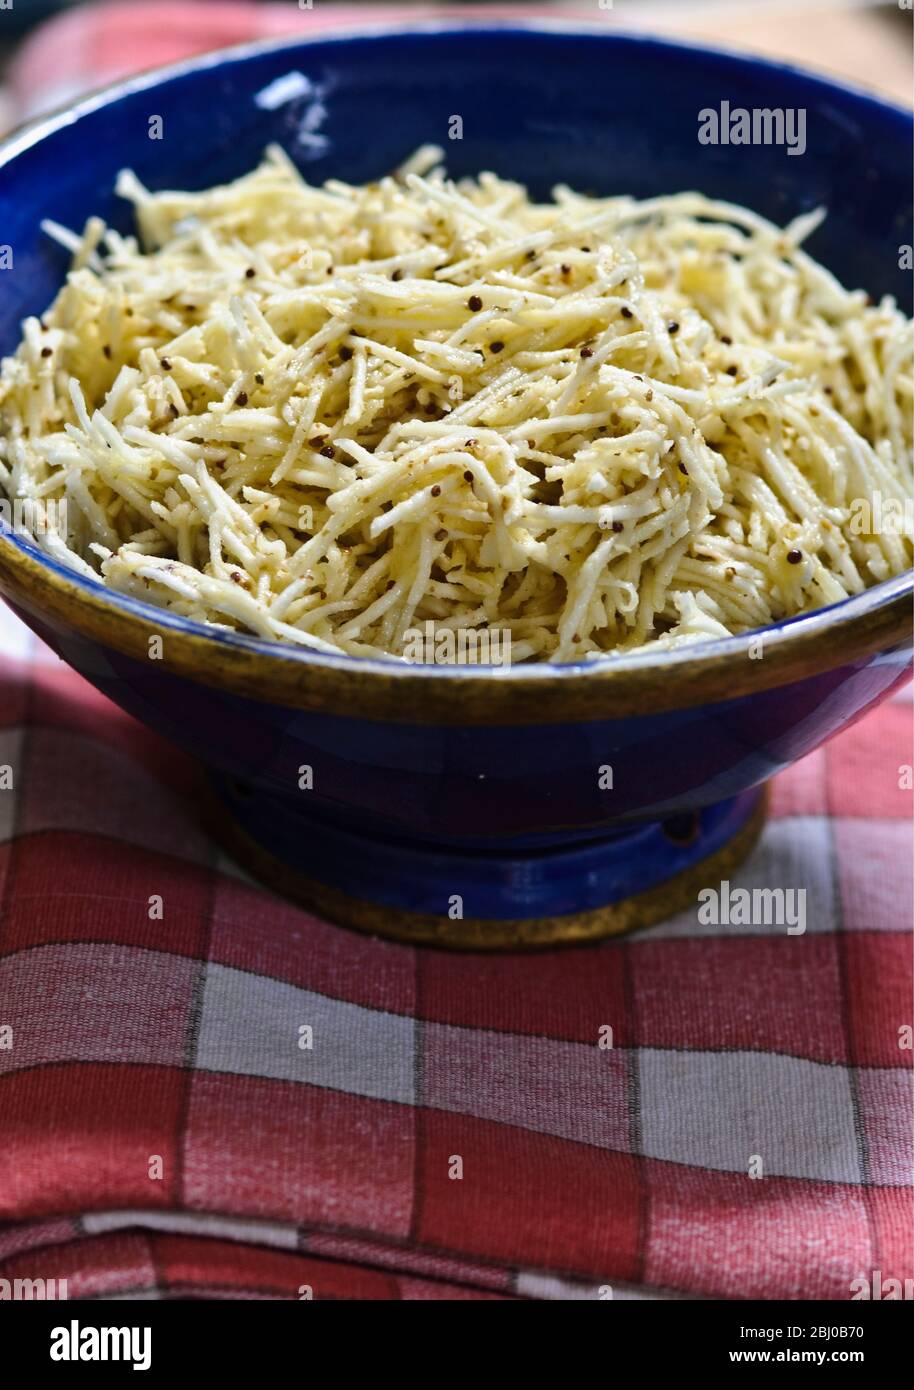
x=472, y=806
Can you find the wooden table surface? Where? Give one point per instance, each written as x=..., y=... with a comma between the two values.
x=869, y=45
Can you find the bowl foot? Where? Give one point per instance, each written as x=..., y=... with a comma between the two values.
x=498, y=898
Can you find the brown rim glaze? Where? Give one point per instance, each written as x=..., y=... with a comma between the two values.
x=646, y=683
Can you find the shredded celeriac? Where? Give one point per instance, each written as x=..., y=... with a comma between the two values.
x=330, y=415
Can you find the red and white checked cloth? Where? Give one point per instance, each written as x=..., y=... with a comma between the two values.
x=162, y=1133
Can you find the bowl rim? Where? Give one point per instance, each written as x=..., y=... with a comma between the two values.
x=44, y=123
x=854, y=629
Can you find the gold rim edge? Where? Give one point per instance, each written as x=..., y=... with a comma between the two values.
x=410, y=696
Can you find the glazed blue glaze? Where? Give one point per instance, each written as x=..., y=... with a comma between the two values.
x=514, y=815
x=530, y=784
x=494, y=882
x=388, y=814
x=611, y=114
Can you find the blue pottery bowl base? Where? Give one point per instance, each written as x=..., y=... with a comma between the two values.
x=492, y=836
x=508, y=897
